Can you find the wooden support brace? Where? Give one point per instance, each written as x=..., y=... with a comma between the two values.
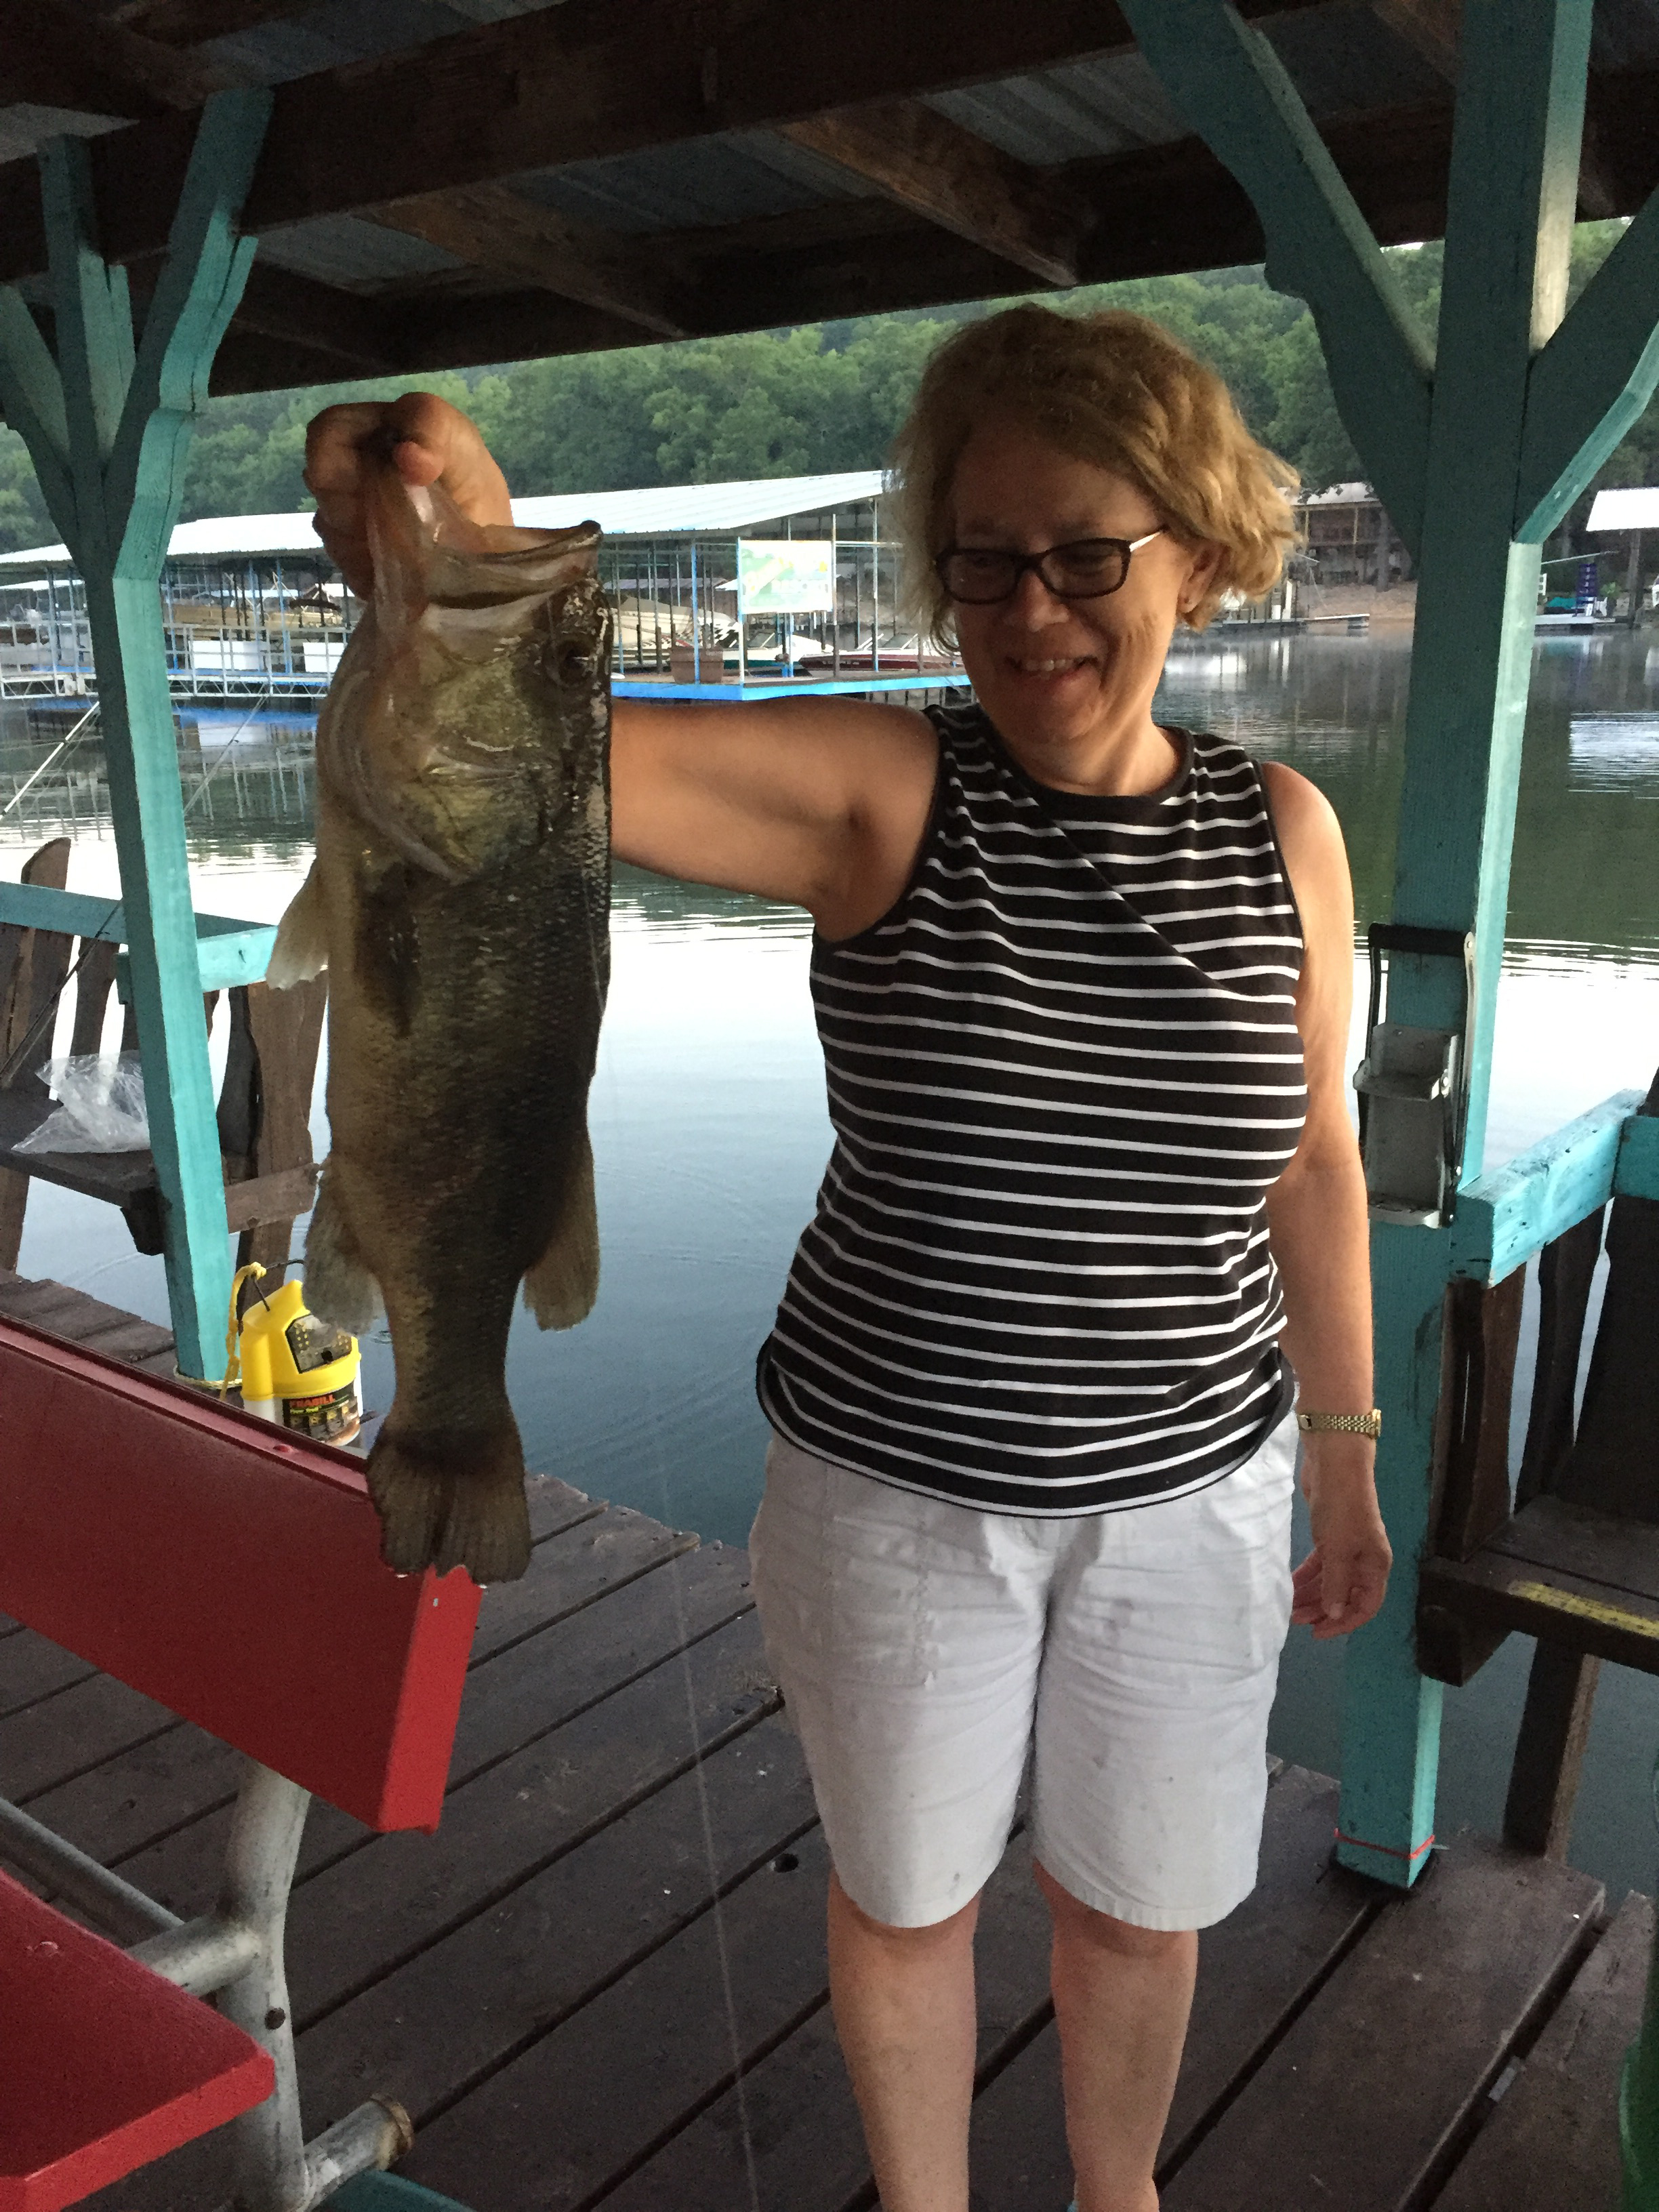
x=1591, y=381
x=492, y=227
x=108, y=422
x=1549, y=1750
x=1230, y=82
x=1566, y=1269
x=924, y=163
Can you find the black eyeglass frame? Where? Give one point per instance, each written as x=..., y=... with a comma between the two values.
x=1025, y=561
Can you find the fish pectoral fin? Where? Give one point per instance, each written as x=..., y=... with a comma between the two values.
x=301, y=948
x=339, y=1286
x=561, y=1288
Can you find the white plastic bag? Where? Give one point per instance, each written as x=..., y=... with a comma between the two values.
x=100, y=1106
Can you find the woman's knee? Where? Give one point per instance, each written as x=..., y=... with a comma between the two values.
x=937, y=1935
x=1102, y=1931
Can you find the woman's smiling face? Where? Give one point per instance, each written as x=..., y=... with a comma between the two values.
x=1067, y=681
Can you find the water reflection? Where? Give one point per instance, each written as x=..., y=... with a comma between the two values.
x=709, y=1120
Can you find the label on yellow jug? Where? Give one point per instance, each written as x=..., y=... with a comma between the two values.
x=330, y=1417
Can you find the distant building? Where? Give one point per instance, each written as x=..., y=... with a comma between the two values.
x=252, y=608
x=1349, y=538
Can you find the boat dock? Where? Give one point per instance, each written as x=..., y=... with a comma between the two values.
x=602, y=1982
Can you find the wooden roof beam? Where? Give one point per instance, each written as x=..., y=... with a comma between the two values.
x=53, y=55
x=489, y=227
x=574, y=82
x=932, y=167
x=193, y=22
x=1432, y=28
x=354, y=333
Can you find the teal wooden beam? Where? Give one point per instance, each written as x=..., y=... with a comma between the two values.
x=1442, y=439
x=1504, y=1218
x=1636, y=1171
x=1592, y=380
x=1391, y=1713
x=1228, y=79
x=1510, y=202
x=223, y=958
x=110, y=438
x=32, y=392
x=389, y=2192
x=227, y=953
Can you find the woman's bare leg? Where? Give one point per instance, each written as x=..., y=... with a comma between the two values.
x=1121, y=1998
x=903, y=2002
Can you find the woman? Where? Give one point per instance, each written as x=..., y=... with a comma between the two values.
x=1083, y=984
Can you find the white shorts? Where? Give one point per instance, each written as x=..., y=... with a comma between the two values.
x=923, y=1647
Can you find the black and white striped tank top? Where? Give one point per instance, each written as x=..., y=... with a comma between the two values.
x=1062, y=1071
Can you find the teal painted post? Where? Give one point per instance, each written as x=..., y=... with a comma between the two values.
x=1510, y=209
x=108, y=425
x=1509, y=224
x=1477, y=445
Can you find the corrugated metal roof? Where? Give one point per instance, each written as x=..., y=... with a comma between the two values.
x=1343, y=55
x=654, y=512
x=1632, y=506
x=1342, y=495
x=699, y=507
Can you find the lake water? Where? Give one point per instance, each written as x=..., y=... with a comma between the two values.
x=710, y=1132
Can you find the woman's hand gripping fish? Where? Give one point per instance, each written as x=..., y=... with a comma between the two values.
x=459, y=900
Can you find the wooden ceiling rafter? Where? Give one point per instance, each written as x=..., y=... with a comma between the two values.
x=195, y=22
x=53, y=55
x=1434, y=29
x=1171, y=208
x=492, y=228
x=1431, y=28
x=359, y=336
x=579, y=82
x=931, y=166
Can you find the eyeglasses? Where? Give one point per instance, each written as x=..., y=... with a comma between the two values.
x=1089, y=567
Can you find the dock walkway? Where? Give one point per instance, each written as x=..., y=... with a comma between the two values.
x=602, y=1982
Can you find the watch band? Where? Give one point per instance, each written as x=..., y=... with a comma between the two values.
x=1350, y=1425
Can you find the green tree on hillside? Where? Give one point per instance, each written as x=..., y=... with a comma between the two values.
x=795, y=401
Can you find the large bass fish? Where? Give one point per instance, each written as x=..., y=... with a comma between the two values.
x=459, y=901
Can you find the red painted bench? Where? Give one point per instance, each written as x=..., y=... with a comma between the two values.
x=231, y=1572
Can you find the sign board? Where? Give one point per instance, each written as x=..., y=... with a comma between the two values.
x=785, y=576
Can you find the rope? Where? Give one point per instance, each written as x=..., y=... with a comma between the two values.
x=233, y=1374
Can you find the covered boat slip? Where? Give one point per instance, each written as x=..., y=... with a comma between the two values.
x=629, y=1840
x=303, y=195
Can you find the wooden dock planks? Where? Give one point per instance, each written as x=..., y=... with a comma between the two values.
x=629, y=1841
x=1553, y=2138
x=1361, y=2099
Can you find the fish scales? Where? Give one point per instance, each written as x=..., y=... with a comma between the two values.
x=460, y=899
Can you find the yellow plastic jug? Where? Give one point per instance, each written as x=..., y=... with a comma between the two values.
x=297, y=1370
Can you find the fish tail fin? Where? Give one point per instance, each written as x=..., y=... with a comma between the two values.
x=561, y=1288
x=454, y=1499
x=338, y=1286
x=301, y=948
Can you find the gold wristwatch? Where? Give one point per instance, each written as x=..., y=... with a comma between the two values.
x=1347, y=1424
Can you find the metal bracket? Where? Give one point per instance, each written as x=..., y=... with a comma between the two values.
x=1413, y=1086
x=236, y=1954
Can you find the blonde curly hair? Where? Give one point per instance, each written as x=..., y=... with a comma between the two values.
x=1115, y=390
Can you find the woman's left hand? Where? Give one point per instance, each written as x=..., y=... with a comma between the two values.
x=1343, y=1580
